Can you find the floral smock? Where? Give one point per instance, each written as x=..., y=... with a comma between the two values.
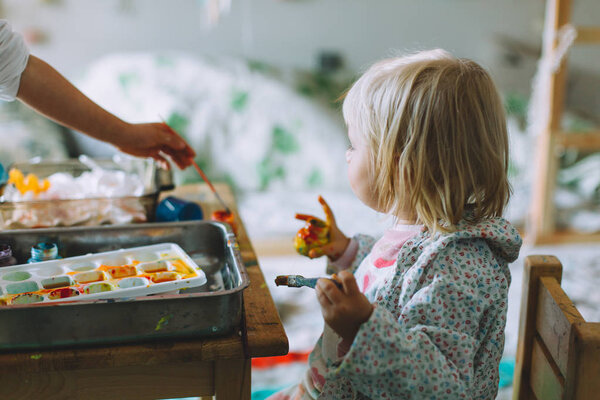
x=437, y=328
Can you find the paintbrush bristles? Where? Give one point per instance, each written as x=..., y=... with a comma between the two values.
x=281, y=280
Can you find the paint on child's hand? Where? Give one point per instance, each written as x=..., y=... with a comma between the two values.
x=314, y=234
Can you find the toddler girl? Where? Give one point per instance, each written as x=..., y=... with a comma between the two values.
x=422, y=311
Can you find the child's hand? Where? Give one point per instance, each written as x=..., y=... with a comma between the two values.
x=337, y=243
x=155, y=140
x=343, y=310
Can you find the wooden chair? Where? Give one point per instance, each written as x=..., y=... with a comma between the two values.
x=558, y=354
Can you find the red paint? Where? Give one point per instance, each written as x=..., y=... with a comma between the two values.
x=315, y=233
x=122, y=272
x=63, y=293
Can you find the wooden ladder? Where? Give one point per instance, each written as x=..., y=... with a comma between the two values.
x=551, y=139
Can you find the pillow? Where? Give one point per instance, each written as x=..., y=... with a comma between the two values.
x=247, y=127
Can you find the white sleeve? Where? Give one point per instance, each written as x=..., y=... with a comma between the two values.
x=13, y=60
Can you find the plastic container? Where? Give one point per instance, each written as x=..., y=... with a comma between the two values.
x=87, y=211
x=123, y=273
x=173, y=209
x=6, y=256
x=44, y=251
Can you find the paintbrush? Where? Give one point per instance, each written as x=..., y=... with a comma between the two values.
x=212, y=188
x=300, y=281
x=202, y=174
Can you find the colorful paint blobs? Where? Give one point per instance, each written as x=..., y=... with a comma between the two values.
x=116, y=274
x=224, y=216
x=164, y=277
x=315, y=233
x=63, y=293
x=27, y=298
x=98, y=288
x=154, y=267
x=181, y=268
x=122, y=272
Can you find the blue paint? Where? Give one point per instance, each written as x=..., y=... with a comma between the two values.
x=44, y=251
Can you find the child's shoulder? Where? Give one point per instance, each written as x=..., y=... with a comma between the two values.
x=496, y=236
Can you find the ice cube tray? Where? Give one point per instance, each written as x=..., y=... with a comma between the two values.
x=132, y=272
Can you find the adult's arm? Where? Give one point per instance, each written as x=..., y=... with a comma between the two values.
x=45, y=90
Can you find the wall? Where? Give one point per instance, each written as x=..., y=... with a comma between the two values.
x=292, y=32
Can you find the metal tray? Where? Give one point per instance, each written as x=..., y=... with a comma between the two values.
x=87, y=212
x=212, y=309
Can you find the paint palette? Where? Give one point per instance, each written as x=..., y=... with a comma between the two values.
x=122, y=273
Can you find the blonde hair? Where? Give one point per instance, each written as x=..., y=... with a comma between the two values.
x=436, y=132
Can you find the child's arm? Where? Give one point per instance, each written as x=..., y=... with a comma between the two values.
x=433, y=347
x=48, y=92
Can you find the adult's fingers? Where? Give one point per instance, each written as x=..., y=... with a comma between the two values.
x=182, y=160
x=348, y=282
x=161, y=160
x=174, y=140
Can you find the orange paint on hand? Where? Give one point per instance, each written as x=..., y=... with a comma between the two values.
x=315, y=233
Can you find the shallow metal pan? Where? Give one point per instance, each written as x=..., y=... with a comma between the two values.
x=213, y=309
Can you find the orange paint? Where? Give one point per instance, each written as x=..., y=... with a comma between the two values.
x=164, y=277
x=120, y=272
x=227, y=217
x=111, y=274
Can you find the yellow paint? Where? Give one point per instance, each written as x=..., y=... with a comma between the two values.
x=162, y=322
x=27, y=183
x=36, y=356
x=263, y=285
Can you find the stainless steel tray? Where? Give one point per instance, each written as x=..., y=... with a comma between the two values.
x=213, y=309
x=87, y=212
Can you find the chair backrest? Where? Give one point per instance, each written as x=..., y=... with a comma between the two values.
x=558, y=353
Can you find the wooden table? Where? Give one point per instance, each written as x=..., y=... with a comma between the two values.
x=164, y=369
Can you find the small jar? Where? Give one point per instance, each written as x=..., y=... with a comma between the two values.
x=6, y=256
x=44, y=251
